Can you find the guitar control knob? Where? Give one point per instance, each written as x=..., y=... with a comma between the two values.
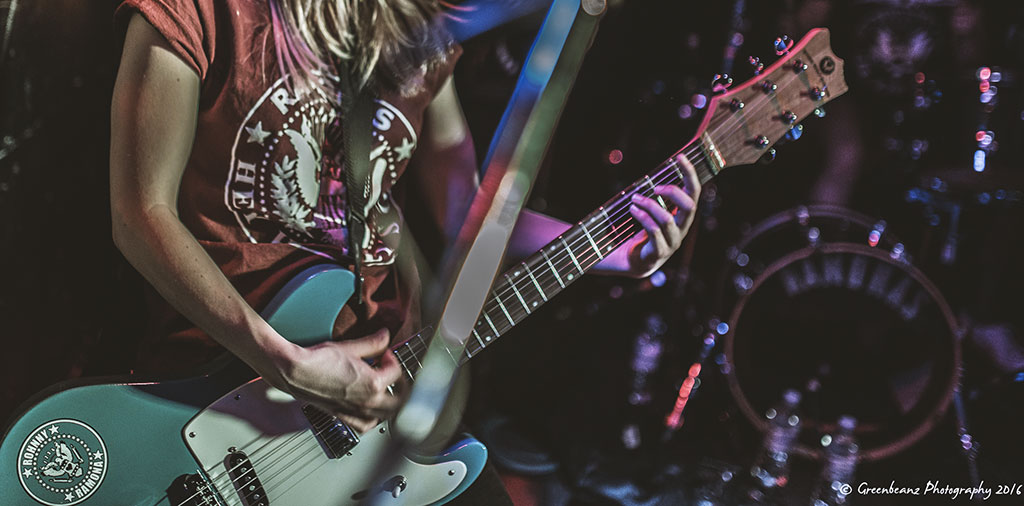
x=768, y=86
x=795, y=133
x=761, y=142
x=721, y=82
x=783, y=44
x=755, y=62
x=799, y=66
x=817, y=93
x=736, y=104
x=789, y=117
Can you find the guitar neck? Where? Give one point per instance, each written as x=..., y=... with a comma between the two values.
x=521, y=290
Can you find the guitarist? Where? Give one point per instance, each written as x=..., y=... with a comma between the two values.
x=223, y=187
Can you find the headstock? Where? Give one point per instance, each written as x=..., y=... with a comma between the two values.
x=743, y=124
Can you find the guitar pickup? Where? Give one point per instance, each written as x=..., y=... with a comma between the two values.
x=244, y=478
x=335, y=437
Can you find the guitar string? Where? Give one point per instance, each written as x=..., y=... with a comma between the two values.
x=513, y=284
x=731, y=123
x=265, y=456
x=564, y=258
x=271, y=480
x=521, y=284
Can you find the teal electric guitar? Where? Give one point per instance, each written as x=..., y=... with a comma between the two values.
x=225, y=439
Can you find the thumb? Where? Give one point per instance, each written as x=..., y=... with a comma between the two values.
x=371, y=346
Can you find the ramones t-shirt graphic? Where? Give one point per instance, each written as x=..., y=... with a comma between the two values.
x=280, y=176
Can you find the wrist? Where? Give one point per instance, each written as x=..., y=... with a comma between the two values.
x=278, y=358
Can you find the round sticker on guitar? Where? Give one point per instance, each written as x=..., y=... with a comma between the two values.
x=62, y=462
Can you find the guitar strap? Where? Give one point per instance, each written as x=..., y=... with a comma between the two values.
x=356, y=107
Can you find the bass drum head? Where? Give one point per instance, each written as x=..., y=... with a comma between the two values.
x=873, y=329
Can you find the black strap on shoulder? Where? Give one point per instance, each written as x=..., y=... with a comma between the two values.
x=356, y=107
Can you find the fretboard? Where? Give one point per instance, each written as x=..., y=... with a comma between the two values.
x=521, y=290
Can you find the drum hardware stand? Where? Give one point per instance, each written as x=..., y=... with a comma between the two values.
x=968, y=445
x=933, y=206
x=690, y=384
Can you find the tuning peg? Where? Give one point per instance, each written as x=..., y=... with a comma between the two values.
x=721, y=82
x=817, y=93
x=783, y=44
x=819, y=112
x=799, y=66
x=767, y=157
x=795, y=132
x=755, y=62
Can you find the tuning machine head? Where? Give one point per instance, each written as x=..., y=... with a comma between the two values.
x=795, y=132
x=755, y=64
x=817, y=93
x=783, y=44
x=721, y=82
x=767, y=157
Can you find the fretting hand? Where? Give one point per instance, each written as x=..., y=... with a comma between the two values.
x=664, y=230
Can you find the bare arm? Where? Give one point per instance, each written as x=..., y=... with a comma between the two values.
x=153, y=122
x=450, y=184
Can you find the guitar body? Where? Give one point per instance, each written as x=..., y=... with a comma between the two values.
x=185, y=442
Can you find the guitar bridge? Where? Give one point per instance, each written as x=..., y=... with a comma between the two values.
x=192, y=490
x=335, y=437
x=244, y=478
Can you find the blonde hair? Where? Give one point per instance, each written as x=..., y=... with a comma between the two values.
x=381, y=43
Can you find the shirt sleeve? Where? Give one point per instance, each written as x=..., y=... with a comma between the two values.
x=187, y=25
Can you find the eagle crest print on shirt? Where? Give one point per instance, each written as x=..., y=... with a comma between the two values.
x=286, y=185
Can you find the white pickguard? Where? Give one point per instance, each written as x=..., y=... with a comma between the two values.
x=269, y=427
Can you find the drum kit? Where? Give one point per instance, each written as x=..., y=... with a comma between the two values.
x=896, y=321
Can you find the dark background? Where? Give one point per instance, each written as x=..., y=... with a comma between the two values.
x=70, y=306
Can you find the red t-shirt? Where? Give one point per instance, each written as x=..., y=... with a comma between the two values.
x=259, y=191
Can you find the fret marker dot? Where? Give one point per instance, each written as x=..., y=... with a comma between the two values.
x=515, y=273
x=487, y=338
x=535, y=304
x=570, y=276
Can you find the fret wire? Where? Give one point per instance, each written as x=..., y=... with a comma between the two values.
x=618, y=238
x=418, y=363
x=518, y=295
x=477, y=334
x=695, y=155
x=503, y=310
x=491, y=323
x=405, y=367
x=552, y=266
x=679, y=173
x=661, y=202
x=569, y=250
x=535, y=283
x=661, y=172
x=591, y=239
x=571, y=255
